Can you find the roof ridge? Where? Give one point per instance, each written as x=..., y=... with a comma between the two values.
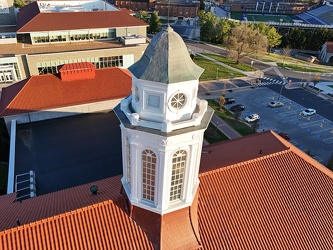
x=245, y=162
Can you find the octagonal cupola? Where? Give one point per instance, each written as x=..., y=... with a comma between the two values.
x=164, y=85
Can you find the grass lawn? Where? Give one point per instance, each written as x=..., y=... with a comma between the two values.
x=213, y=70
x=269, y=18
x=232, y=63
x=213, y=135
x=240, y=126
x=302, y=68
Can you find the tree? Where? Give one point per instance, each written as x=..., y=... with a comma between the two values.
x=208, y=23
x=154, y=23
x=244, y=41
x=19, y=3
x=286, y=52
x=222, y=101
x=274, y=38
x=316, y=79
x=142, y=15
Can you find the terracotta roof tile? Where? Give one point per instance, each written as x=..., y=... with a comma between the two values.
x=29, y=19
x=234, y=151
x=281, y=200
x=49, y=91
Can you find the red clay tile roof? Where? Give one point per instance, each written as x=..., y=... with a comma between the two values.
x=279, y=201
x=49, y=91
x=30, y=19
x=72, y=219
x=282, y=200
x=212, y=157
x=175, y=230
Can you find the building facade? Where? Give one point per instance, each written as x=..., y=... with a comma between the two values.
x=53, y=33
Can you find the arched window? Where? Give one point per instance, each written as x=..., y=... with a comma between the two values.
x=148, y=175
x=177, y=176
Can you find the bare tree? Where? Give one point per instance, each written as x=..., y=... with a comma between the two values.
x=245, y=41
x=316, y=79
x=222, y=101
x=286, y=52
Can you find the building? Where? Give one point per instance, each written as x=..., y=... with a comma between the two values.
x=52, y=33
x=77, y=88
x=266, y=7
x=186, y=9
x=176, y=8
x=326, y=53
x=255, y=192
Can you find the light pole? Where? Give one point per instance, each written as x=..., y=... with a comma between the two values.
x=217, y=73
x=282, y=85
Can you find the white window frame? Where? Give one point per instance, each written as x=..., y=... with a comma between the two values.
x=149, y=174
x=179, y=159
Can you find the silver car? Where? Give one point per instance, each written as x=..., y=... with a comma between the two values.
x=275, y=104
x=308, y=112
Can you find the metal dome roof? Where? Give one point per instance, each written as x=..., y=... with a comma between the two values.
x=166, y=60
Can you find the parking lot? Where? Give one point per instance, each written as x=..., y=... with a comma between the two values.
x=312, y=134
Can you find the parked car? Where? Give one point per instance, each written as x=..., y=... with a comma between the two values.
x=229, y=100
x=237, y=107
x=284, y=136
x=308, y=112
x=252, y=118
x=275, y=104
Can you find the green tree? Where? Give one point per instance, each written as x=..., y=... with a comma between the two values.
x=223, y=30
x=273, y=38
x=19, y=3
x=208, y=23
x=154, y=23
x=245, y=41
x=297, y=38
x=142, y=15
x=202, y=5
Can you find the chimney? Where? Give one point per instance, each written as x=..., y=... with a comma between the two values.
x=77, y=71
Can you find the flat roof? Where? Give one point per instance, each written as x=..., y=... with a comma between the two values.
x=25, y=48
x=68, y=152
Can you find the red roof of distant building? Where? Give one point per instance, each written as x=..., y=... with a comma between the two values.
x=279, y=200
x=30, y=19
x=50, y=91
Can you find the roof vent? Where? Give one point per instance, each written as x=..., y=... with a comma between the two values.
x=77, y=71
x=94, y=189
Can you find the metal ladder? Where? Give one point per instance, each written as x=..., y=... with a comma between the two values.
x=25, y=185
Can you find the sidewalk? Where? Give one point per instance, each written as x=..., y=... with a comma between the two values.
x=224, y=127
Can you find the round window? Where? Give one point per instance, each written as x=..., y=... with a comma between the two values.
x=178, y=101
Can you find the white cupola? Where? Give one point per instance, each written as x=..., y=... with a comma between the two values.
x=163, y=124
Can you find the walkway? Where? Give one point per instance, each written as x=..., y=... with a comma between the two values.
x=224, y=127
